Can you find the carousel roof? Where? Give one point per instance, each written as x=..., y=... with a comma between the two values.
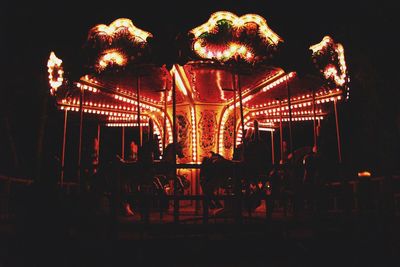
x=120, y=60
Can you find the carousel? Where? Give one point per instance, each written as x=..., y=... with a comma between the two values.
x=228, y=76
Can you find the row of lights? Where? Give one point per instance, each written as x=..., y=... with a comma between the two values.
x=279, y=81
x=266, y=79
x=96, y=111
x=145, y=106
x=99, y=105
x=275, y=83
x=133, y=124
x=130, y=118
x=296, y=119
x=269, y=121
x=275, y=112
x=248, y=98
x=87, y=87
x=302, y=98
x=142, y=98
x=134, y=102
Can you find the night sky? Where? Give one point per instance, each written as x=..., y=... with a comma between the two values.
x=370, y=120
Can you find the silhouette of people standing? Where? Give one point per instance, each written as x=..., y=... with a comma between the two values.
x=254, y=155
x=146, y=156
x=284, y=153
x=95, y=155
x=255, y=163
x=133, y=152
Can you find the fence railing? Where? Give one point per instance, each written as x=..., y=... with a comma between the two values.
x=372, y=194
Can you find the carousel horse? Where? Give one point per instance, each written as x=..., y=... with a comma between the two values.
x=166, y=170
x=150, y=178
x=299, y=179
x=216, y=172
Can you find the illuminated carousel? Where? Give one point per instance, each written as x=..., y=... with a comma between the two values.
x=226, y=82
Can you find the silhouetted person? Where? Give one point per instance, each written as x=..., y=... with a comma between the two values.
x=133, y=151
x=255, y=164
x=254, y=155
x=146, y=156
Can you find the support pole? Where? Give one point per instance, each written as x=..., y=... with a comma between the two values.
x=123, y=143
x=290, y=117
x=165, y=117
x=234, y=114
x=337, y=132
x=175, y=141
x=138, y=110
x=80, y=138
x=98, y=140
x=272, y=147
x=63, y=148
x=280, y=130
x=237, y=85
x=314, y=119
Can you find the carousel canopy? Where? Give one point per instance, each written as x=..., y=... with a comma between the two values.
x=229, y=61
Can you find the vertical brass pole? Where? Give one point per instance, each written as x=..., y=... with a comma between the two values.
x=290, y=117
x=337, y=132
x=165, y=117
x=138, y=111
x=98, y=140
x=314, y=119
x=280, y=130
x=237, y=85
x=80, y=138
x=234, y=113
x=123, y=143
x=63, y=147
x=175, y=141
x=272, y=147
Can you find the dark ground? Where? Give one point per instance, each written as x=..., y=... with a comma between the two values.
x=366, y=240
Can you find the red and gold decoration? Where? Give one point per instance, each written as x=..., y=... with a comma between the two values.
x=226, y=36
x=329, y=59
x=207, y=130
x=119, y=28
x=56, y=72
x=112, y=57
x=184, y=135
x=116, y=45
x=207, y=97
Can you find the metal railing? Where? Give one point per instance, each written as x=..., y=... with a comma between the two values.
x=372, y=194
